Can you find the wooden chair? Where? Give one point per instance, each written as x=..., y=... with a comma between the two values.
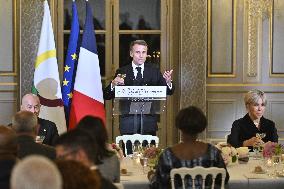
x=198, y=170
x=136, y=137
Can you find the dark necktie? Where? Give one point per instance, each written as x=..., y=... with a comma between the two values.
x=139, y=75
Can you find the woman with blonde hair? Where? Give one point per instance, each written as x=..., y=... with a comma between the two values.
x=244, y=130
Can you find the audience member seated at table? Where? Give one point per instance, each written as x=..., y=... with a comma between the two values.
x=105, y=159
x=78, y=145
x=243, y=132
x=76, y=175
x=8, y=155
x=46, y=128
x=189, y=153
x=25, y=124
x=36, y=172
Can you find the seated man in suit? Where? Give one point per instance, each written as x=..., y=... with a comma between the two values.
x=48, y=129
x=25, y=124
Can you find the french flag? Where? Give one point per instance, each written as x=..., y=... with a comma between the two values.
x=87, y=94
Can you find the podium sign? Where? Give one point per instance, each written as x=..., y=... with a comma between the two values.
x=141, y=92
x=139, y=106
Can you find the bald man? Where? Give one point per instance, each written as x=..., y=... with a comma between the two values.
x=31, y=103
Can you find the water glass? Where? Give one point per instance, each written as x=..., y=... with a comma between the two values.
x=276, y=160
x=144, y=163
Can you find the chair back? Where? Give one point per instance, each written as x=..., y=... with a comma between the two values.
x=136, y=137
x=118, y=185
x=198, y=170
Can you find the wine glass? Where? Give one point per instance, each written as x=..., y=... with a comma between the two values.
x=121, y=75
x=262, y=135
x=144, y=163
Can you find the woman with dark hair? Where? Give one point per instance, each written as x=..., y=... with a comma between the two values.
x=189, y=152
x=105, y=159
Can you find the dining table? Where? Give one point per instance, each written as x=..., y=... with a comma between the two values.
x=242, y=176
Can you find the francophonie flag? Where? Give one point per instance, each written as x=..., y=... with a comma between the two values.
x=46, y=75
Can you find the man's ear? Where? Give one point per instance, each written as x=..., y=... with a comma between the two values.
x=131, y=54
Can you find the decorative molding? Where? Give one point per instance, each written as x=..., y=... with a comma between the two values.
x=245, y=84
x=255, y=12
x=232, y=102
x=233, y=42
x=272, y=73
x=15, y=43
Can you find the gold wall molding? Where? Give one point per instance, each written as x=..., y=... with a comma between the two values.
x=233, y=42
x=15, y=42
x=272, y=25
x=245, y=85
x=255, y=12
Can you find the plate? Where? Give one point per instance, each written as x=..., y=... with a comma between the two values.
x=262, y=172
x=280, y=174
x=126, y=174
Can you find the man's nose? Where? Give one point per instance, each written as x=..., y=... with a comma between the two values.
x=33, y=110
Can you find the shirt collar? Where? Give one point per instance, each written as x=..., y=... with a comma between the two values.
x=141, y=66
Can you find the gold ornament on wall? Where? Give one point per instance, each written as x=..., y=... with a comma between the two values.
x=258, y=10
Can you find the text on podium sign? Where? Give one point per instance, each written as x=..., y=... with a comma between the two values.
x=140, y=92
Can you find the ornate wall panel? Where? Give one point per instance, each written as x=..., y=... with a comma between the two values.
x=31, y=18
x=277, y=39
x=220, y=114
x=193, y=53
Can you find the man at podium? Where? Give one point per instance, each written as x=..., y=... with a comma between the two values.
x=138, y=73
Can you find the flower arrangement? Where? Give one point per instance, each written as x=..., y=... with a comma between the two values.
x=229, y=153
x=271, y=149
x=152, y=153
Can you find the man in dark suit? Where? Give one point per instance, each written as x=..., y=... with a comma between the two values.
x=138, y=73
x=25, y=124
x=48, y=129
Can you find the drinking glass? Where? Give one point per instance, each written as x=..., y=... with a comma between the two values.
x=40, y=139
x=256, y=148
x=121, y=75
x=276, y=160
x=144, y=163
x=261, y=135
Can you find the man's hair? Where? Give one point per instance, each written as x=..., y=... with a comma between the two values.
x=36, y=172
x=77, y=175
x=137, y=42
x=77, y=139
x=24, y=122
x=8, y=142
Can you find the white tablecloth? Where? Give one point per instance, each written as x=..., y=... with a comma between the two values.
x=241, y=177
